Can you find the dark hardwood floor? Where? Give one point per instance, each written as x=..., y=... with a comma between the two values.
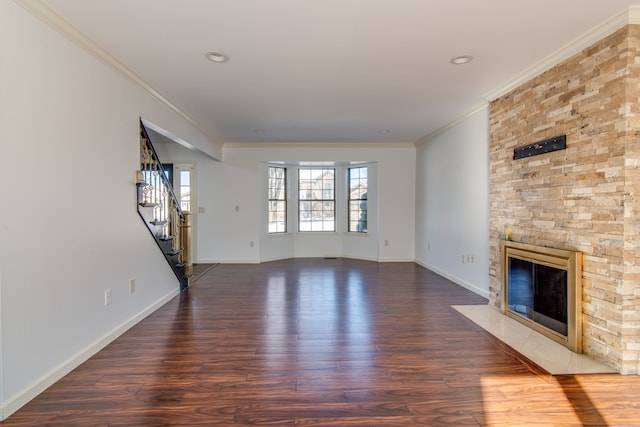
x=314, y=342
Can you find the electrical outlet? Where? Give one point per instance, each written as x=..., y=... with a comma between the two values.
x=386, y=243
x=251, y=244
x=132, y=286
x=107, y=297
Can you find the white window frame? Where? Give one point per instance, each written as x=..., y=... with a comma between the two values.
x=341, y=197
x=315, y=200
x=350, y=200
x=283, y=200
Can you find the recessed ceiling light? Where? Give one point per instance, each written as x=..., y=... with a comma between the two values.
x=216, y=56
x=462, y=59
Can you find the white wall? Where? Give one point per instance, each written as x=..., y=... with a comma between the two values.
x=1, y=322
x=224, y=234
x=452, y=203
x=170, y=152
x=69, y=227
x=68, y=224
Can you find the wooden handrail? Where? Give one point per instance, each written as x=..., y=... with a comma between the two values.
x=167, y=222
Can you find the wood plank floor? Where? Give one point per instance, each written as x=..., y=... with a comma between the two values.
x=314, y=342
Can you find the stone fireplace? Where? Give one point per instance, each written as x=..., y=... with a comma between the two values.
x=585, y=198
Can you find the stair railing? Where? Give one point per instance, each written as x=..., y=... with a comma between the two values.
x=160, y=209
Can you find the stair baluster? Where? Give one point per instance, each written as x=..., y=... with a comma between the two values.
x=160, y=210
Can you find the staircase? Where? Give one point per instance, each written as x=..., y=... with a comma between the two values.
x=160, y=210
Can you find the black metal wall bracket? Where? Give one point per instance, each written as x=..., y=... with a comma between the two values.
x=546, y=146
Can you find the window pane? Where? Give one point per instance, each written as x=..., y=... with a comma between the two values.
x=305, y=174
x=358, y=199
x=304, y=194
x=316, y=194
x=185, y=177
x=185, y=190
x=277, y=214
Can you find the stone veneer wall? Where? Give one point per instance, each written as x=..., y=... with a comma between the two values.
x=582, y=198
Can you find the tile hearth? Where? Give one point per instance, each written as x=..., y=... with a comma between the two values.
x=553, y=357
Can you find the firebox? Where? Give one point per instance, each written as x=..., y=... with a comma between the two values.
x=542, y=288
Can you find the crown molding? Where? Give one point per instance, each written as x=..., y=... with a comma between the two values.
x=631, y=15
x=42, y=10
x=628, y=16
x=634, y=15
x=610, y=26
x=318, y=144
x=51, y=17
x=456, y=122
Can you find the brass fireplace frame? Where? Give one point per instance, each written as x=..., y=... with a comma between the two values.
x=570, y=261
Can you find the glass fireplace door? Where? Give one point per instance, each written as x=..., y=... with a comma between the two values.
x=539, y=293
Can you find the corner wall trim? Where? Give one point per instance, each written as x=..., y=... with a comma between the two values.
x=473, y=288
x=27, y=394
x=319, y=144
x=443, y=129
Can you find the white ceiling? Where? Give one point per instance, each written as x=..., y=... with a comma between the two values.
x=332, y=70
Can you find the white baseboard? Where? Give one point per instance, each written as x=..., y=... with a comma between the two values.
x=21, y=398
x=278, y=258
x=274, y=258
x=239, y=261
x=228, y=261
x=396, y=260
x=28, y=393
x=458, y=281
x=360, y=258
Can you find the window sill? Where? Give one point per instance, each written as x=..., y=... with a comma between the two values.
x=317, y=233
x=286, y=234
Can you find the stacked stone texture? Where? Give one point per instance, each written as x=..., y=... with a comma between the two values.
x=582, y=198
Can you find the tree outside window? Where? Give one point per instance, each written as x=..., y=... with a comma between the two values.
x=316, y=199
x=358, y=199
x=277, y=200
